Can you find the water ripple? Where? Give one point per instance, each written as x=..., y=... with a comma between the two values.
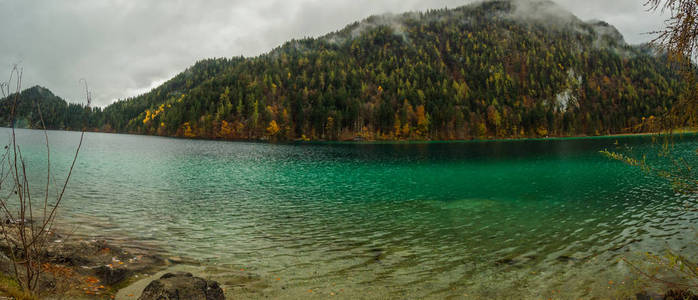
x=492, y=220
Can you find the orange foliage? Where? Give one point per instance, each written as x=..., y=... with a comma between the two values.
x=227, y=130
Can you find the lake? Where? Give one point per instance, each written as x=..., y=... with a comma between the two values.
x=501, y=219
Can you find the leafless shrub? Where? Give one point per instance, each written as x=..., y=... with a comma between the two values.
x=27, y=221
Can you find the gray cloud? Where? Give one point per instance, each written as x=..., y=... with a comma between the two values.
x=124, y=48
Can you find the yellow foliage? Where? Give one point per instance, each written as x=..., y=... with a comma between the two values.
x=273, y=128
x=151, y=115
x=147, y=116
x=271, y=110
x=422, y=120
x=188, y=132
x=542, y=131
x=481, y=129
x=406, y=130
x=621, y=157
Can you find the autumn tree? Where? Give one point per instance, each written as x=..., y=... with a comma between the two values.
x=680, y=39
x=273, y=128
x=422, y=121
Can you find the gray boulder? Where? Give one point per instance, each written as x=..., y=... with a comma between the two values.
x=182, y=286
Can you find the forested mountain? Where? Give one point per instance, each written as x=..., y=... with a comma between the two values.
x=492, y=69
x=37, y=103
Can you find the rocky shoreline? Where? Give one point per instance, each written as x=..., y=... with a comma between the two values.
x=82, y=267
x=78, y=267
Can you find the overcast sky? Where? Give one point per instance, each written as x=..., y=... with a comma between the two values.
x=126, y=47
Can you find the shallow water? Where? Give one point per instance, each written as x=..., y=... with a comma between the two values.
x=508, y=219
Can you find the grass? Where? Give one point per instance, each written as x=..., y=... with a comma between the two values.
x=10, y=288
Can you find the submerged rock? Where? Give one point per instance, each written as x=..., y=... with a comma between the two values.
x=505, y=262
x=112, y=275
x=646, y=296
x=680, y=295
x=377, y=254
x=566, y=258
x=181, y=286
x=673, y=294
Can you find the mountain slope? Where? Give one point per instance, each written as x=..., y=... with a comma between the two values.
x=38, y=102
x=491, y=69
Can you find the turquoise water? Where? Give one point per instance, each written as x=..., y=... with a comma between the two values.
x=506, y=219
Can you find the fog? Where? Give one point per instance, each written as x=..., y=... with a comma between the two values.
x=124, y=48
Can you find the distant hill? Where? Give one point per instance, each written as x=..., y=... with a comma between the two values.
x=490, y=69
x=56, y=112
